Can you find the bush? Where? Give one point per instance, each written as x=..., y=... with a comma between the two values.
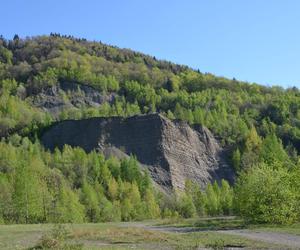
x=56, y=239
x=266, y=195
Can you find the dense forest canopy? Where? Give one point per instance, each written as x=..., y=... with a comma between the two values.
x=259, y=125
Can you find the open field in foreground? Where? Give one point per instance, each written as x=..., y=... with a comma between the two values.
x=181, y=234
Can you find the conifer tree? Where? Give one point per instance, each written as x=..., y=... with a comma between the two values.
x=151, y=207
x=273, y=153
x=236, y=160
x=212, y=203
x=91, y=203
x=226, y=198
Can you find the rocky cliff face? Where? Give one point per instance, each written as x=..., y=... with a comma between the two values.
x=172, y=151
x=68, y=95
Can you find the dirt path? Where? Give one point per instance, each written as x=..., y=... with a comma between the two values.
x=289, y=240
x=270, y=237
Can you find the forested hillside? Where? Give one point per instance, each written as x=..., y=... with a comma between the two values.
x=260, y=127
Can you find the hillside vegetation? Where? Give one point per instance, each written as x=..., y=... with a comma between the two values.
x=260, y=127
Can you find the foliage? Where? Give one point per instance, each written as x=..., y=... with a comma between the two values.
x=71, y=186
x=259, y=125
x=266, y=195
x=215, y=200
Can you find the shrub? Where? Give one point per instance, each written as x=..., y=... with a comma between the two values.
x=265, y=195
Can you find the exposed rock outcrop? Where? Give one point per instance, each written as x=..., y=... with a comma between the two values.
x=172, y=150
x=69, y=95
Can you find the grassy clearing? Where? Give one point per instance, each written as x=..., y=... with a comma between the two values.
x=20, y=236
x=120, y=236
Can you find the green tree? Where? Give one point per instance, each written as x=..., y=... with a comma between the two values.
x=68, y=208
x=91, y=203
x=187, y=208
x=110, y=211
x=253, y=143
x=28, y=203
x=6, y=202
x=193, y=189
x=226, y=198
x=236, y=160
x=130, y=170
x=265, y=195
x=113, y=189
x=212, y=202
x=273, y=153
x=152, y=209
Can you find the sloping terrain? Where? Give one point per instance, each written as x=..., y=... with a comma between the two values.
x=173, y=151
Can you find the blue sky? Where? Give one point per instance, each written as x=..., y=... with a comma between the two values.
x=255, y=40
